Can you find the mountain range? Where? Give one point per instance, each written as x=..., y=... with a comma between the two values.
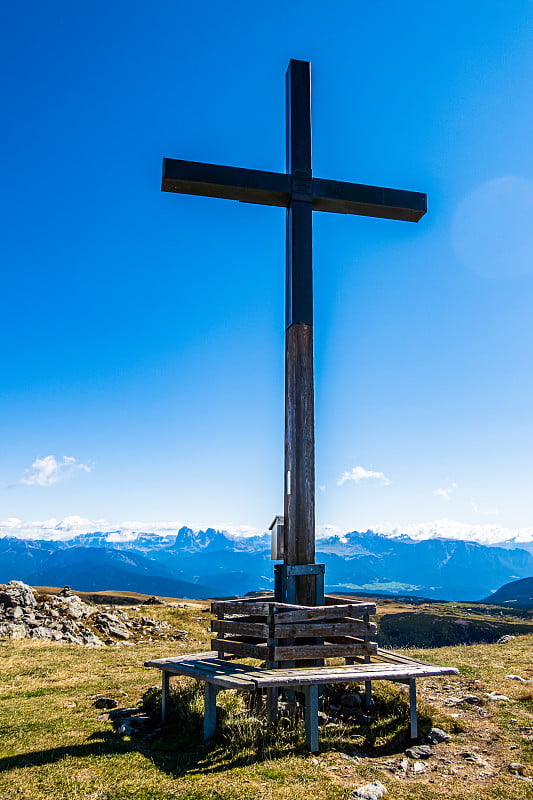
x=208, y=563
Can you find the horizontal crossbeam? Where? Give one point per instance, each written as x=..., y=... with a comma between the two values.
x=277, y=189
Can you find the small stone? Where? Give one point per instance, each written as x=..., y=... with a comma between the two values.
x=419, y=751
x=349, y=758
x=493, y=696
x=350, y=700
x=504, y=639
x=473, y=758
x=418, y=767
x=10, y=630
x=515, y=678
x=120, y=713
x=105, y=702
x=517, y=769
x=370, y=791
x=131, y=726
x=437, y=735
x=472, y=699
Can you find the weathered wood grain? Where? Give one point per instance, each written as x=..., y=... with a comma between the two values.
x=247, y=650
x=296, y=653
x=300, y=455
x=325, y=629
x=316, y=612
x=240, y=607
x=236, y=627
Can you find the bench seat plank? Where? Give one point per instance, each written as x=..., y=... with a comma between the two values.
x=241, y=676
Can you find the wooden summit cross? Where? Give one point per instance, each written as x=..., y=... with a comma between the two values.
x=301, y=194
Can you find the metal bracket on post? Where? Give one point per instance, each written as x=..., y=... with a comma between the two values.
x=285, y=576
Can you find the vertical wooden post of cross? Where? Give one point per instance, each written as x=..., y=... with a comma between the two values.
x=299, y=378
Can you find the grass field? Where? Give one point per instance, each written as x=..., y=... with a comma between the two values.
x=55, y=745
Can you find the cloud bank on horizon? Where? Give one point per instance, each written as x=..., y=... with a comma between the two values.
x=70, y=527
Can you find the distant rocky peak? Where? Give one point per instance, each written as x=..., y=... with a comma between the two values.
x=194, y=541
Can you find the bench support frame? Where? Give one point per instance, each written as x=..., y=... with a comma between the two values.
x=311, y=694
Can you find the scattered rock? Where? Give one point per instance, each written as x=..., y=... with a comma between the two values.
x=66, y=618
x=131, y=726
x=437, y=735
x=12, y=631
x=473, y=758
x=515, y=678
x=419, y=751
x=504, y=639
x=471, y=699
x=517, y=769
x=350, y=700
x=370, y=791
x=418, y=767
x=493, y=696
x=17, y=593
x=121, y=713
x=105, y=702
x=346, y=757
x=154, y=601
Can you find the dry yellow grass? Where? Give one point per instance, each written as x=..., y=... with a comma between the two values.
x=55, y=745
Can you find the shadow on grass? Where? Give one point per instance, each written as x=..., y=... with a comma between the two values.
x=206, y=758
x=243, y=737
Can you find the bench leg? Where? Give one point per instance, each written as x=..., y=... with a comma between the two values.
x=210, y=711
x=311, y=717
x=272, y=704
x=368, y=695
x=412, y=708
x=165, y=685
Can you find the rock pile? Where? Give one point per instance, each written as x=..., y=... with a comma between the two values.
x=67, y=618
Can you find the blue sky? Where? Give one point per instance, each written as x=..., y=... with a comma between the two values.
x=142, y=332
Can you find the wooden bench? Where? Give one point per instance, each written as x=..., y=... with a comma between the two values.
x=219, y=674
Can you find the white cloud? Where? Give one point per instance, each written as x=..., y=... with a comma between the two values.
x=358, y=474
x=445, y=492
x=328, y=530
x=72, y=526
x=234, y=530
x=48, y=470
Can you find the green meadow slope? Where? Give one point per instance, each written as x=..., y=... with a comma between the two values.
x=54, y=742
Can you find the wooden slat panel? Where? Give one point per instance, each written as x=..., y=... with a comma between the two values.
x=398, y=658
x=360, y=607
x=296, y=653
x=240, y=607
x=241, y=649
x=160, y=662
x=316, y=612
x=327, y=629
x=303, y=677
x=260, y=630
